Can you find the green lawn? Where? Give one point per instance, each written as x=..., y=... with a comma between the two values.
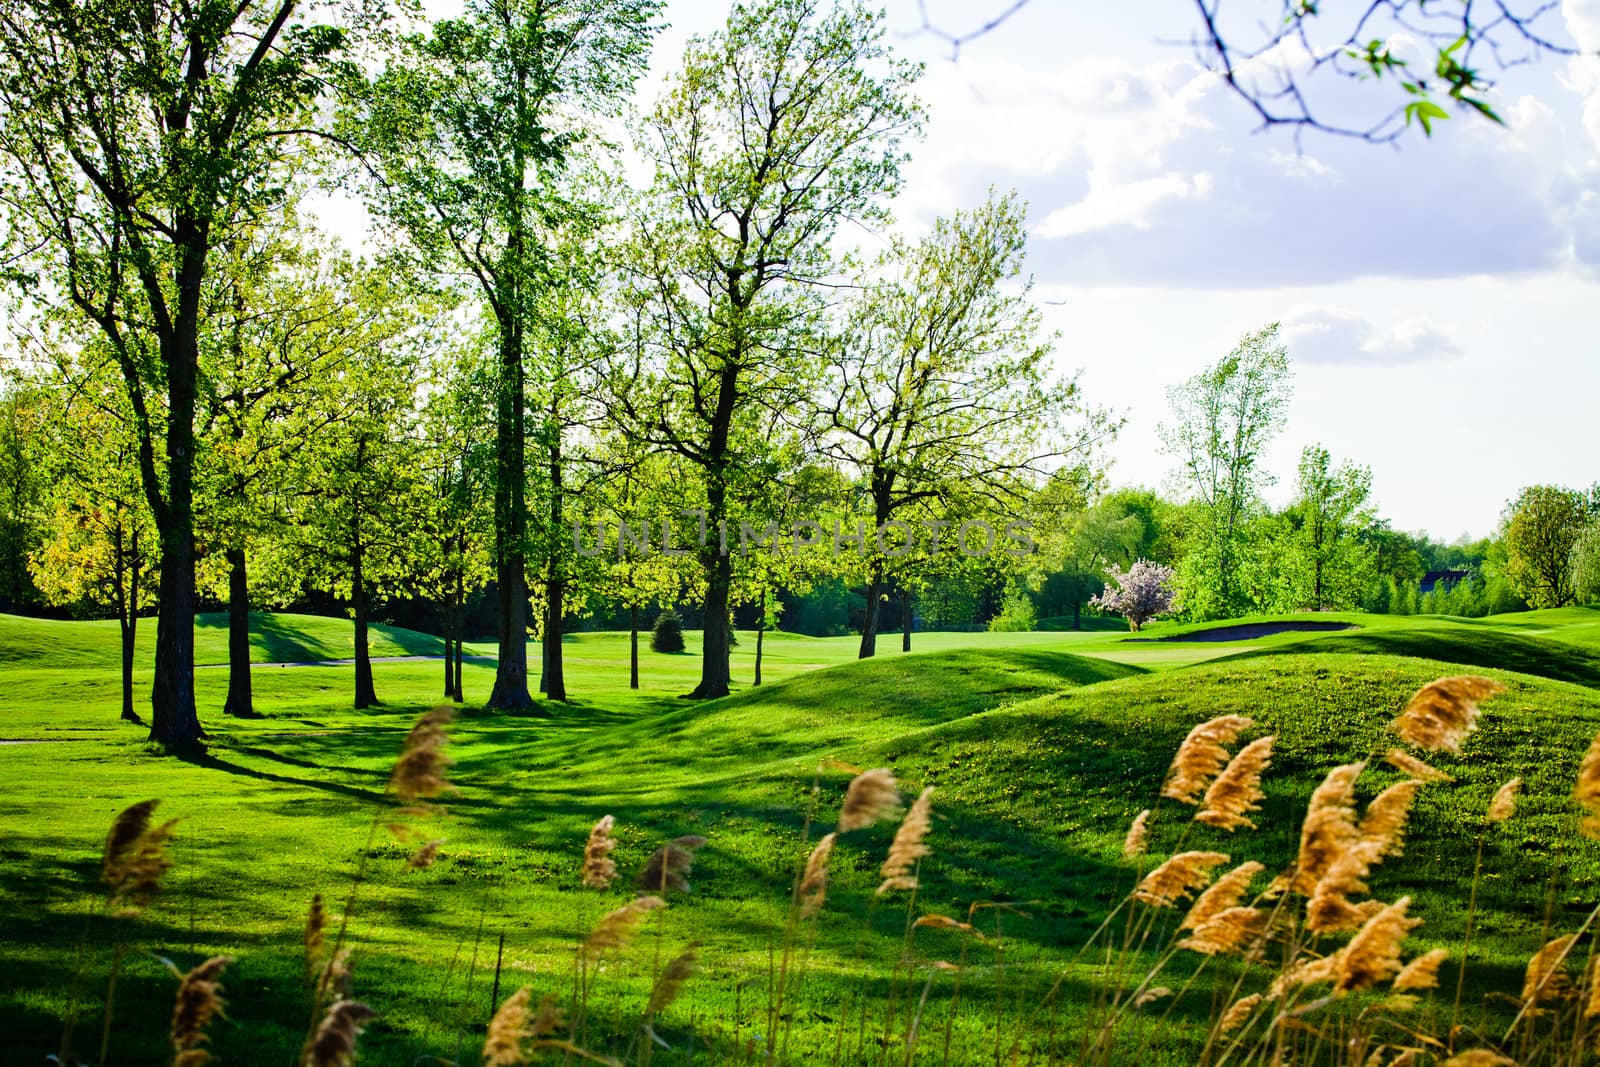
x=1042, y=746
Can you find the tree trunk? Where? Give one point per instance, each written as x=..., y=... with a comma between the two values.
x=366, y=695
x=869, y=624
x=130, y=626
x=555, y=680
x=761, y=631
x=714, y=672
x=510, y=692
x=447, y=618
x=633, y=646
x=460, y=608
x=240, y=701
x=905, y=620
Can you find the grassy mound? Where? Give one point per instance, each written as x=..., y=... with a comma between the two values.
x=1039, y=757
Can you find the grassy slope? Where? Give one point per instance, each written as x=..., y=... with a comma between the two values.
x=1040, y=759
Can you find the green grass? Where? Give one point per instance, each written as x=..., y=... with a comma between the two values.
x=1042, y=747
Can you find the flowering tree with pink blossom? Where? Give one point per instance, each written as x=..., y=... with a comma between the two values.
x=1140, y=594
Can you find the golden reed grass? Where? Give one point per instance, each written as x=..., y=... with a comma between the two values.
x=1441, y=714
x=871, y=795
x=1406, y=763
x=1226, y=892
x=1480, y=1057
x=1373, y=954
x=1504, y=803
x=669, y=985
x=599, y=870
x=1422, y=972
x=616, y=928
x=1201, y=757
x=1239, y=1013
x=316, y=932
x=909, y=845
x=514, y=1025
x=419, y=772
x=1546, y=977
x=669, y=866
x=1175, y=879
x=135, y=857
x=423, y=858
x=199, y=1000
x=338, y=1033
x=1383, y=825
x=1138, y=838
x=1235, y=792
x=1227, y=932
x=1587, y=790
x=814, y=880
x=943, y=922
x=1329, y=828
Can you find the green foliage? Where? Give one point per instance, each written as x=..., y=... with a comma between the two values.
x=1544, y=524
x=1329, y=512
x=1586, y=564
x=667, y=633
x=1017, y=613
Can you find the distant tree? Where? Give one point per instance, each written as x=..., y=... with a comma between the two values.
x=1542, y=526
x=1586, y=564
x=1017, y=612
x=99, y=547
x=667, y=633
x=1140, y=594
x=1329, y=511
x=23, y=486
x=1078, y=543
x=942, y=384
x=1222, y=419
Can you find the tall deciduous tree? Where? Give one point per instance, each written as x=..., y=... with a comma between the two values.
x=1330, y=511
x=941, y=384
x=134, y=134
x=778, y=129
x=1222, y=419
x=1542, y=526
x=468, y=130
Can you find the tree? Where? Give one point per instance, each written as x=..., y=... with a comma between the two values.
x=941, y=385
x=1142, y=593
x=777, y=130
x=1330, y=510
x=468, y=127
x=134, y=135
x=23, y=488
x=1222, y=418
x=1586, y=564
x=99, y=546
x=1542, y=527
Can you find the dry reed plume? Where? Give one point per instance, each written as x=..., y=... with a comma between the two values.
x=335, y=1042
x=423, y=857
x=1546, y=977
x=199, y=1000
x=1226, y=892
x=669, y=866
x=1422, y=972
x=1383, y=825
x=599, y=871
x=1587, y=790
x=667, y=987
x=419, y=772
x=908, y=847
x=1406, y=763
x=1504, y=803
x=1440, y=715
x=135, y=857
x=1239, y=1012
x=514, y=1025
x=1373, y=955
x=1329, y=828
x=1226, y=932
x=1235, y=792
x=1201, y=757
x=814, y=880
x=316, y=931
x=1138, y=835
x=871, y=795
x=617, y=928
x=1177, y=878
x=943, y=922
x=1479, y=1057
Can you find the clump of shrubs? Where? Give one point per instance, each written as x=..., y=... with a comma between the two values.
x=667, y=634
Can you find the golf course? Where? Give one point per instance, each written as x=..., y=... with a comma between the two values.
x=1040, y=747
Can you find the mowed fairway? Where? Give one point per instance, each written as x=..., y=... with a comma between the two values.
x=1041, y=746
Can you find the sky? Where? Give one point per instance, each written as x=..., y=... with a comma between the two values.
x=1440, y=302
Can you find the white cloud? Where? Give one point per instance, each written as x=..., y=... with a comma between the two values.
x=1339, y=337
x=1123, y=205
